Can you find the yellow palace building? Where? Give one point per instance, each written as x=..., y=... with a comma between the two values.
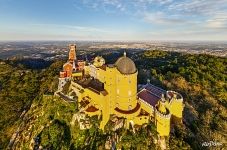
x=111, y=89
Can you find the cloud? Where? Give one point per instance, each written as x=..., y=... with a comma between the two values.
x=162, y=12
x=72, y=27
x=78, y=32
x=186, y=13
x=109, y=6
x=198, y=7
x=163, y=19
x=218, y=21
x=150, y=18
x=172, y=18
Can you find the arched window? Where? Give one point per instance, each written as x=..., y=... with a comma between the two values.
x=129, y=93
x=118, y=91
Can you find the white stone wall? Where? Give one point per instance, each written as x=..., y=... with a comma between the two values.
x=61, y=83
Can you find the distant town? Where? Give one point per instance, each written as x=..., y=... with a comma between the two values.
x=52, y=50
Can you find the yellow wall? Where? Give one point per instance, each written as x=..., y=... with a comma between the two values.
x=101, y=75
x=140, y=120
x=126, y=90
x=147, y=108
x=162, y=118
x=122, y=89
x=77, y=74
x=163, y=124
x=176, y=108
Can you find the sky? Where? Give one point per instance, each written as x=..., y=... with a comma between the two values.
x=129, y=20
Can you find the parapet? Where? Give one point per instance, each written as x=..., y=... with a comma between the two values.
x=174, y=95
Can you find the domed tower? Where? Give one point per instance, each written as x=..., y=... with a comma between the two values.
x=126, y=83
x=176, y=105
x=162, y=118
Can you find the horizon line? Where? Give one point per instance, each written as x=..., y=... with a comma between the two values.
x=158, y=40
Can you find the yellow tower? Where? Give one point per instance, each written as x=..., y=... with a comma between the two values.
x=126, y=83
x=176, y=105
x=162, y=118
x=120, y=82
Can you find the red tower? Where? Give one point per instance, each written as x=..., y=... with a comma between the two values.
x=72, y=52
x=68, y=68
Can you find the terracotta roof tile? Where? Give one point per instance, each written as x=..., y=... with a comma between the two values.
x=148, y=97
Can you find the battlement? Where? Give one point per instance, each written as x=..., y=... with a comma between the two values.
x=174, y=95
x=162, y=115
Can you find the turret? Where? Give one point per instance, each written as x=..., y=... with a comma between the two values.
x=176, y=105
x=99, y=61
x=162, y=118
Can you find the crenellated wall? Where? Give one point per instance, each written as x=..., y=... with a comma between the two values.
x=162, y=122
x=176, y=105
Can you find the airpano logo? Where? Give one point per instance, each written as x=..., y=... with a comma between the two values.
x=211, y=143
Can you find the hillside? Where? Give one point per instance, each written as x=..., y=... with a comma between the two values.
x=31, y=116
